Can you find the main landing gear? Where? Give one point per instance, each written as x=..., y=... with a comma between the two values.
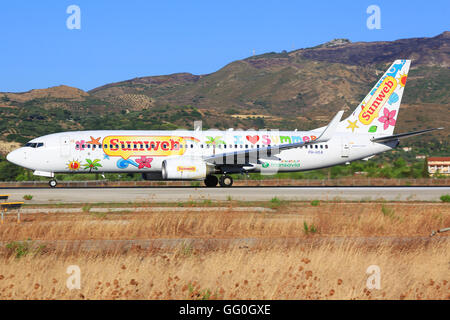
x=52, y=183
x=211, y=181
x=224, y=181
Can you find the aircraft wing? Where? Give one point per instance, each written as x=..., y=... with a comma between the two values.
x=402, y=135
x=268, y=152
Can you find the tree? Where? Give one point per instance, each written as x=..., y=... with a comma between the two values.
x=425, y=172
x=9, y=171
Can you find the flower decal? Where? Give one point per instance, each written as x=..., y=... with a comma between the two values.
x=79, y=145
x=388, y=118
x=144, y=162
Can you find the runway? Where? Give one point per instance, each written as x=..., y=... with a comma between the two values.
x=176, y=194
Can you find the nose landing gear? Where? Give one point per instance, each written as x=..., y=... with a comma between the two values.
x=52, y=183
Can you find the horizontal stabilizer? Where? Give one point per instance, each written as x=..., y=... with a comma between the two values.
x=403, y=135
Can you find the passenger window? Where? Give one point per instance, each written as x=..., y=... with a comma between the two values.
x=321, y=146
x=192, y=146
x=246, y=146
x=326, y=146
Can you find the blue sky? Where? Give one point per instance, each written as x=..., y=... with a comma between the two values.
x=120, y=40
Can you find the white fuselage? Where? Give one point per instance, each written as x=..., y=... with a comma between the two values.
x=144, y=151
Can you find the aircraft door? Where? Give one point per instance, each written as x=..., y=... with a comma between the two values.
x=64, y=144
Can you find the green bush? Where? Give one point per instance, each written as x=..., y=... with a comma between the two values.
x=388, y=212
x=275, y=202
x=23, y=248
x=445, y=198
x=315, y=203
x=309, y=229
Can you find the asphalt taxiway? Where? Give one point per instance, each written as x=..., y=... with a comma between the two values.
x=183, y=194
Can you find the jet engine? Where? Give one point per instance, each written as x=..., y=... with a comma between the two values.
x=184, y=169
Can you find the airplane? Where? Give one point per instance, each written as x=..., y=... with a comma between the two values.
x=202, y=155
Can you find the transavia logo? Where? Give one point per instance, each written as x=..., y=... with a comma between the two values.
x=282, y=164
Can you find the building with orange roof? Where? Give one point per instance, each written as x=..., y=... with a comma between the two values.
x=441, y=164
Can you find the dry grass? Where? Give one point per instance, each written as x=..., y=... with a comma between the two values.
x=412, y=267
x=328, y=272
x=287, y=220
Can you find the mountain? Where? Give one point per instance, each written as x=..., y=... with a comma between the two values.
x=299, y=89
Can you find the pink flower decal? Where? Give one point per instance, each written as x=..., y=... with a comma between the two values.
x=388, y=118
x=144, y=162
x=79, y=145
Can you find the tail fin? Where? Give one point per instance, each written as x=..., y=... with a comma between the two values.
x=378, y=112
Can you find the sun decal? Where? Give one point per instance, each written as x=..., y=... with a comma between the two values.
x=74, y=165
x=402, y=80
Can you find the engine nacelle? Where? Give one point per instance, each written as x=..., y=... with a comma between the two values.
x=184, y=169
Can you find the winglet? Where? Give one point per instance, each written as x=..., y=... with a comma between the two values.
x=331, y=128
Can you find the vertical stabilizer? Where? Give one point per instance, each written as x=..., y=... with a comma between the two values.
x=377, y=113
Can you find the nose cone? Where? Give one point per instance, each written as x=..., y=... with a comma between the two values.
x=17, y=157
